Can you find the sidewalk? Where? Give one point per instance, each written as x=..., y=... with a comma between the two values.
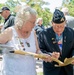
x=39, y=66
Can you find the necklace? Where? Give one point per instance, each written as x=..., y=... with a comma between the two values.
x=22, y=43
x=28, y=44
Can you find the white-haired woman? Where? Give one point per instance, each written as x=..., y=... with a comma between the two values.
x=39, y=26
x=20, y=37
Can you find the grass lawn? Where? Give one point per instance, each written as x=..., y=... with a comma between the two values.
x=40, y=73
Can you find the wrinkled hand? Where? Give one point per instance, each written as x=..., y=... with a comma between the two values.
x=72, y=62
x=48, y=58
x=55, y=55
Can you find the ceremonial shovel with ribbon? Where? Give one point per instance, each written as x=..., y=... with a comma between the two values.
x=67, y=61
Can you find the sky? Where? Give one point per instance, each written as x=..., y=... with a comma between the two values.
x=3, y=1
x=52, y=6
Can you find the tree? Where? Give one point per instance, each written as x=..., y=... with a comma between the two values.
x=12, y=4
x=42, y=12
x=70, y=6
x=1, y=5
x=36, y=4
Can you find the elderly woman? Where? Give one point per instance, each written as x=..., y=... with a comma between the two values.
x=39, y=26
x=21, y=37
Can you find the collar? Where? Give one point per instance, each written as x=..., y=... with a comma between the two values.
x=7, y=18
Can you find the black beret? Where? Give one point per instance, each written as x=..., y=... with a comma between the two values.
x=4, y=8
x=58, y=16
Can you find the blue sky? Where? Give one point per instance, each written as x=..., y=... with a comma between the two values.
x=52, y=6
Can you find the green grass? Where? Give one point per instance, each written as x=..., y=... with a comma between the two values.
x=40, y=73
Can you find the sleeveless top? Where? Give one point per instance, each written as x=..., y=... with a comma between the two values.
x=16, y=64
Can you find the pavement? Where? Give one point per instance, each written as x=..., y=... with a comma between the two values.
x=39, y=66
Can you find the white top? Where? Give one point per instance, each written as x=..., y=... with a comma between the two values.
x=15, y=64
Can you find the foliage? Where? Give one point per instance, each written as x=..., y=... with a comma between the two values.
x=40, y=73
x=12, y=4
x=0, y=19
x=46, y=16
x=36, y=4
x=70, y=7
x=1, y=5
x=42, y=12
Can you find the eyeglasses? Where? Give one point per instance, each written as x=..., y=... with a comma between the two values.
x=59, y=27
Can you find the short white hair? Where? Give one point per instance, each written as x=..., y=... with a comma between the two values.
x=39, y=19
x=23, y=15
x=65, y=10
